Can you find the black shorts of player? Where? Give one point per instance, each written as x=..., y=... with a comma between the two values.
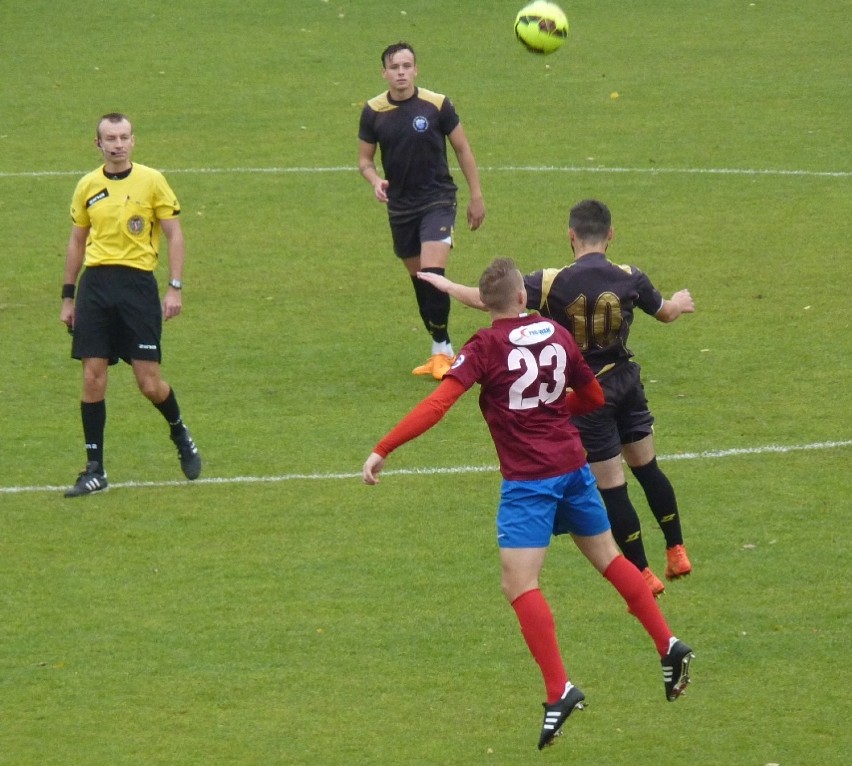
x=623, y=419
x=117, y=315
x=410, y=230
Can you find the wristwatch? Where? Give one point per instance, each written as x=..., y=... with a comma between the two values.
x=176, y=283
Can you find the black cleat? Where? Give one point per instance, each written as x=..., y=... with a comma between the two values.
x=90, y=480
x=676, y=669
x=556, y=714
x=190, y=460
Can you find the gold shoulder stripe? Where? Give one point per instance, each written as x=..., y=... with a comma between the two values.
x=437, y=99
x=548, y=277
x=380, y=103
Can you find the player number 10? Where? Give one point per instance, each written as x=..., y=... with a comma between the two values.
x=598, y=329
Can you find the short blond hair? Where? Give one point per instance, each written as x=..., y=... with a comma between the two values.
x=500, y=284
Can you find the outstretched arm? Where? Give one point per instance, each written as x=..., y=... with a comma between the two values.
x=462, y=293
x=424, y=415
x=680, y=303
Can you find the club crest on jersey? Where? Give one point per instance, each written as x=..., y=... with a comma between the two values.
x=530, y=334
x=136, y=224
x=421, y=124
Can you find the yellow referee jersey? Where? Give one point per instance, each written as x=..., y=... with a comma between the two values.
x=123, y=216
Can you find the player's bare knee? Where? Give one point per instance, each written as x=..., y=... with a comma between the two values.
x=151, y=389
x=94, y=385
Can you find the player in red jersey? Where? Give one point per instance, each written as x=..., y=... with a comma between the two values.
x=595, y=299
x=525, y=366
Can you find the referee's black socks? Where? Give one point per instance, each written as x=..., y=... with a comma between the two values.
x=171, y=412
x=93, y=415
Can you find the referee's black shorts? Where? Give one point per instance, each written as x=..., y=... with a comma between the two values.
x=117, y=315
x=624, y=418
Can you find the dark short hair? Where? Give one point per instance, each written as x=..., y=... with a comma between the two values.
x=499, y=284
x=111, y=117
x=396, y=48
x=590, y=219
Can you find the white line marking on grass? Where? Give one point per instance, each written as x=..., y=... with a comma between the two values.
x=496, y=169
x=462, y=469
x=670, y=171
x=769, y=448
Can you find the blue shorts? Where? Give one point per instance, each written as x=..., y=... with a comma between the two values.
x=532, y=511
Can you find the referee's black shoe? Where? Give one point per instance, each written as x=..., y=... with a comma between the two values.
x=557, y=713
x=90, y=480
x=190, y=460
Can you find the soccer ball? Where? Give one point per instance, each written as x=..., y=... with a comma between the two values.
x=541, y=27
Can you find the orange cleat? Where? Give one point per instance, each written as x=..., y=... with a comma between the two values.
x=441, y=364
x=424, y=369
x=678, y=563
x=654, y=582
x=437, y=366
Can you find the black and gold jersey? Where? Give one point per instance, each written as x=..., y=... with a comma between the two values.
x=411, y=136
x=594, y=299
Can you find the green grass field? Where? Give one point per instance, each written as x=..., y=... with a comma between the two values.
x=277, y=611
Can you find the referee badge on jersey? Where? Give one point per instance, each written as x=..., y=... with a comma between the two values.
x=421, y=124
x=136, y=224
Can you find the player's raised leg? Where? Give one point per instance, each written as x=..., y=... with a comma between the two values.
x=675, y=655
x=659, y=492
x=520, y=570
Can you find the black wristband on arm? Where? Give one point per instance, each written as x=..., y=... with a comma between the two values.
x=69, y=291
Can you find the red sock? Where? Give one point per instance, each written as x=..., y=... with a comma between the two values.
x=539, y=631
x=629, y=582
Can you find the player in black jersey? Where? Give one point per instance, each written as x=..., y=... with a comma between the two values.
x=411, y=126
x=594, y=299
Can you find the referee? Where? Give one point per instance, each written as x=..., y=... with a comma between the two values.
x=117, y=212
